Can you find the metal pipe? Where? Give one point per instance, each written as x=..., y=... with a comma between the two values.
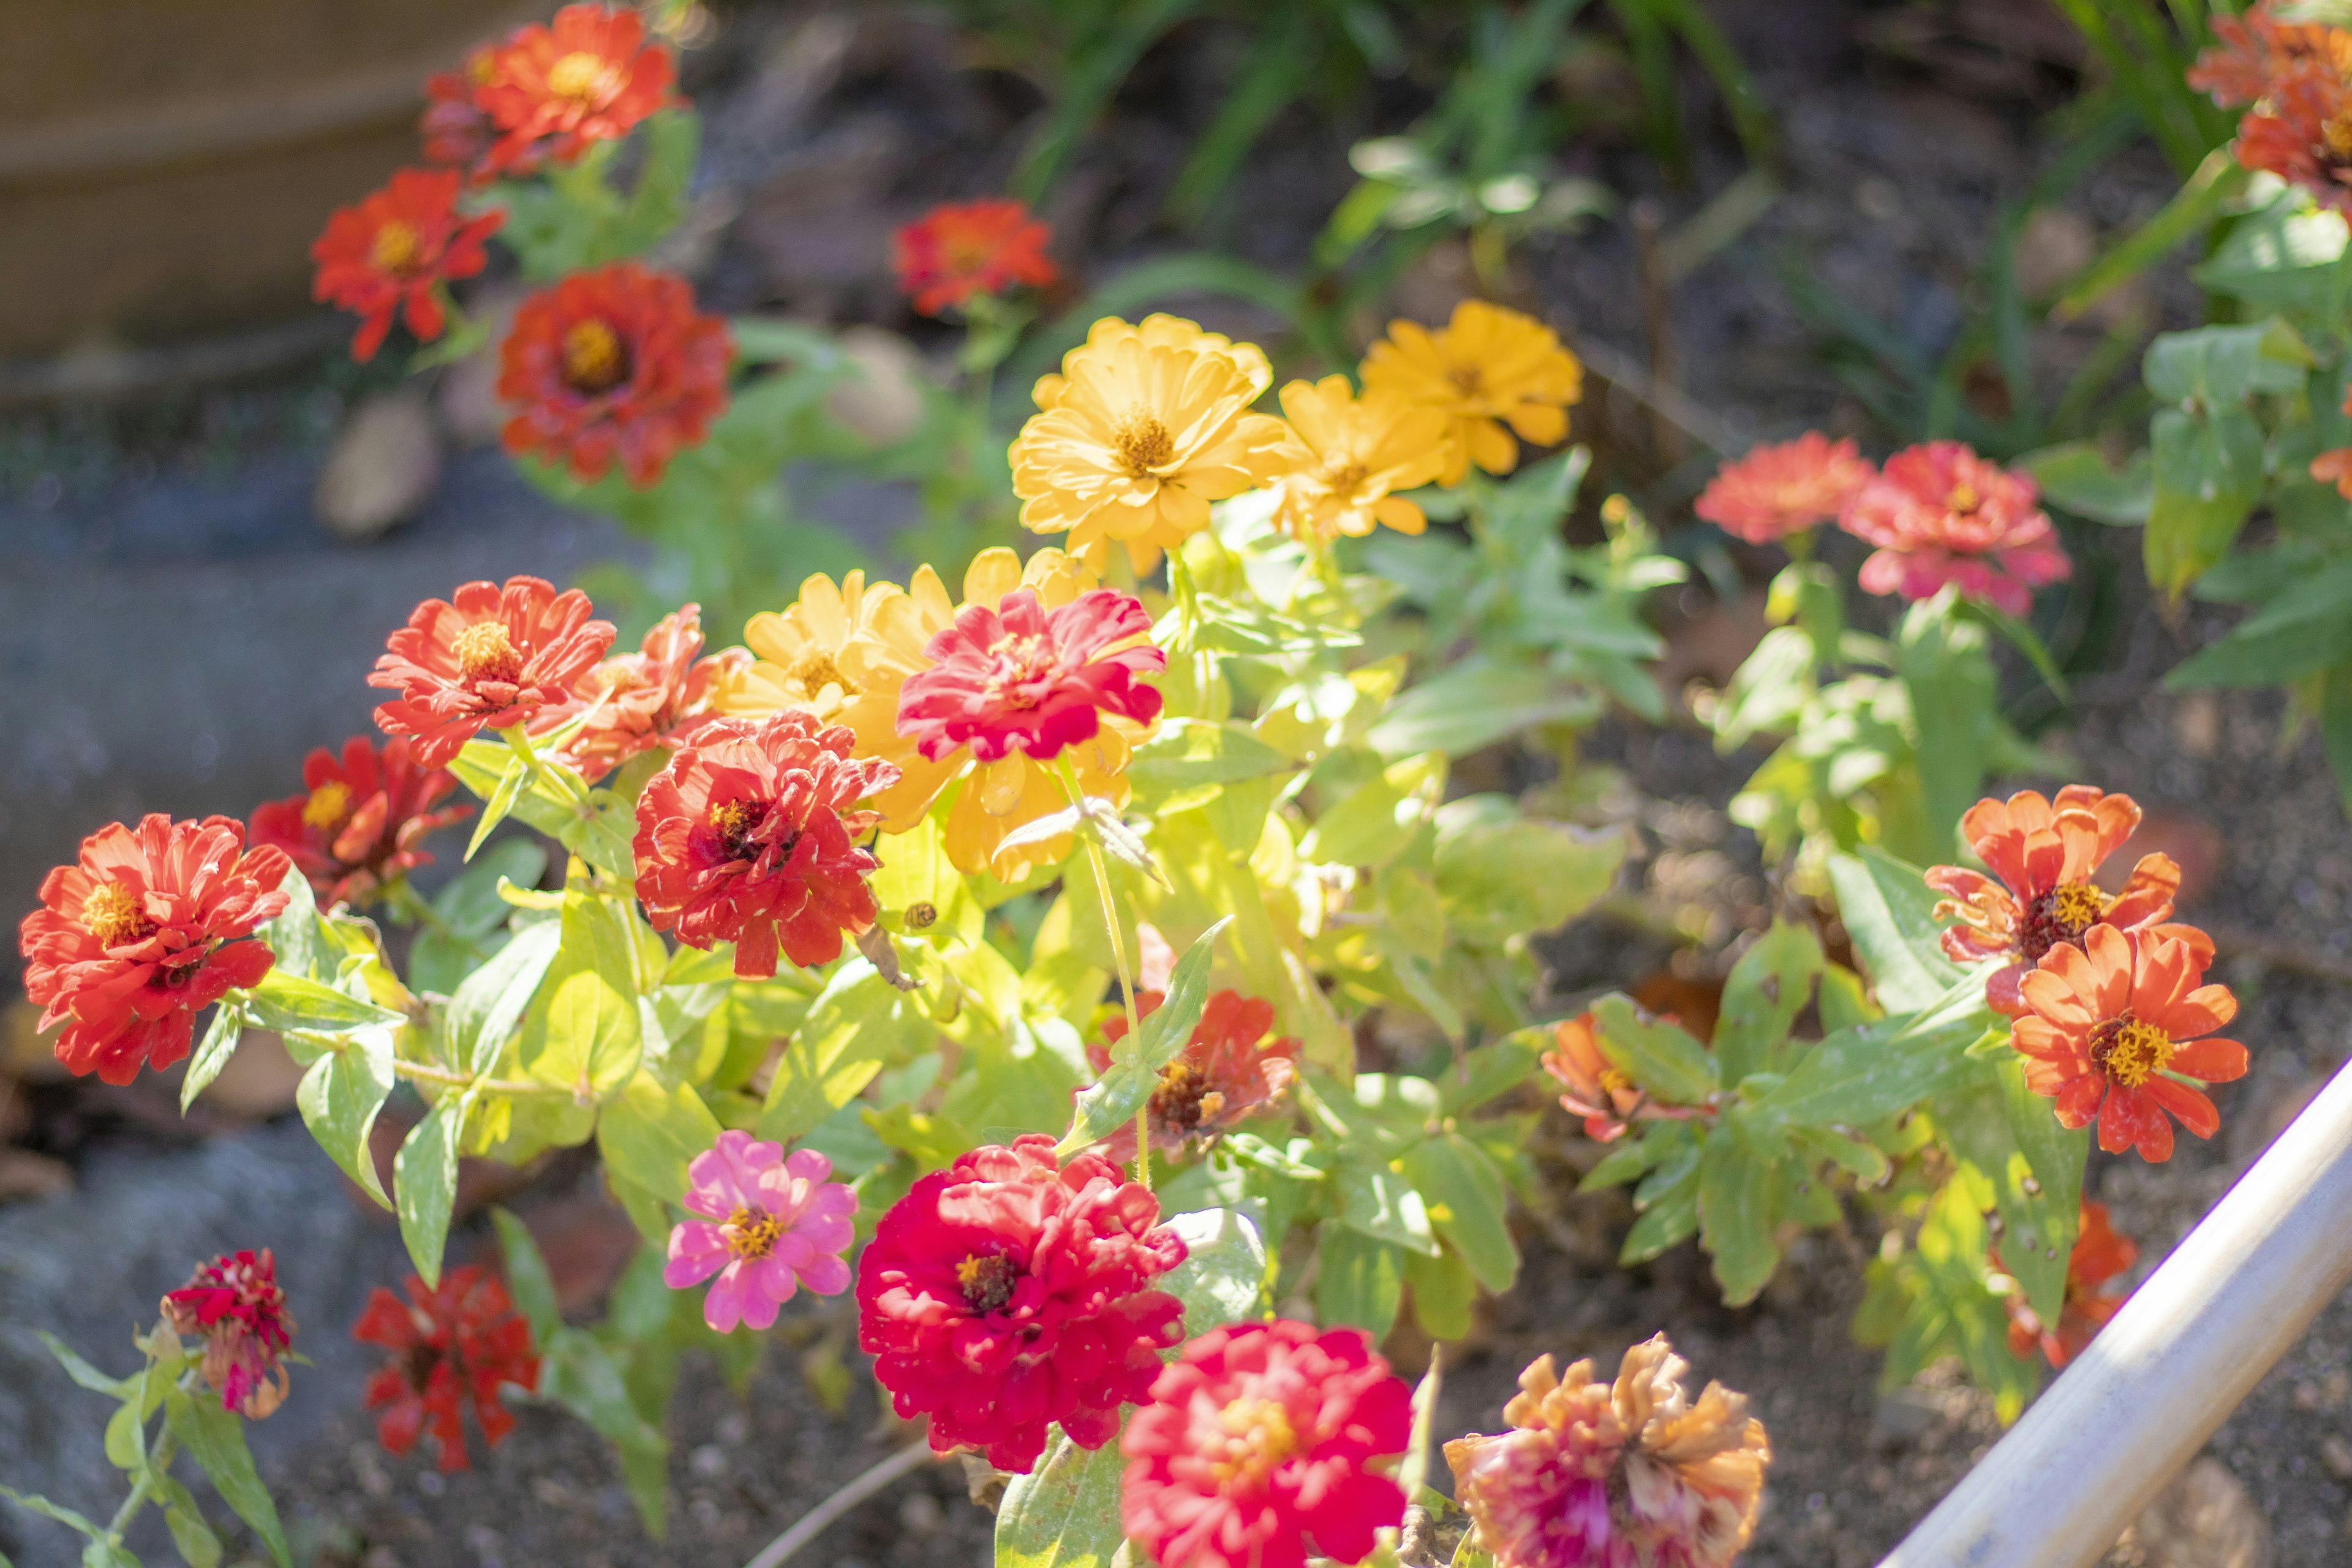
x=2136, y=1405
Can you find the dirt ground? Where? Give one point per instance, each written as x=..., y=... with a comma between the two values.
x=1898, y=146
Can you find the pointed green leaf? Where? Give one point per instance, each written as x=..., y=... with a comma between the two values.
x=1359, y=1280
x=1223, y=1278
x=649, y=1133
x=339, y=1096
x=1735, y=1215
x=424, y=1181
x=857, y=1023
x=582, y=1032
x=1466, y=1202
x=1767, y=989
x=213, y=1053
x=482, y=1016
x=81, y=1372
x=1065, y=1512
x=215, y=1439
x=1889, y=913
x=527, y=1279
x=1660, y=1056
x=1103, y=1107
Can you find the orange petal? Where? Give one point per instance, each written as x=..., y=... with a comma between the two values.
x=2200, y=1012
x=2162, y=974
x=2110, y=961
x=2196, y=1111
x=2078, y=1100
x=2214, y=1060
x=2046, y=990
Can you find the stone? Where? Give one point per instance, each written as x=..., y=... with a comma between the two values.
x=2204, y=1519
x=384, y=466
x=2336, y=1453
x=882, y=400
x=258, y=1083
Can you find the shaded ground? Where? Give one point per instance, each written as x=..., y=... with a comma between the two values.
x=176, y=633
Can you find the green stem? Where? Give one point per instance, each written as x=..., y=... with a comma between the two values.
x=1069, y=774
x=448, y=1079
x=561, y=780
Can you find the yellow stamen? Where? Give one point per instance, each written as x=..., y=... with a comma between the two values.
x=396, y=247
x=1341, y=478
x=112, y=914
x=485, y=653
x=753, y=1233
x=581, y=77
x=1964, y=498
x=2338, y=135
x=2130, y=1051
x=1469, y=381
x=734, y=819
x=1258, y=1438
x=593, y=358
x=987, y=1281
x=2078, y=904
x=1143, y=443
x=1614, y=1082
x=814, y=670
x=328, y=805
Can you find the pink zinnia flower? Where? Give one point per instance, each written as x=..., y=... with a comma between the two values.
x=774, y=1224
x=1021, y=678
x=1940, y=513
x=1775, y=491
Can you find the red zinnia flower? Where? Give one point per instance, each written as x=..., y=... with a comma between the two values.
x=487, y=658
x=1024, y=679
x=1940, y=513
x=589, y=76
x=2302, y=132
x=613, y=362
x=2101, y=1253
x=2044, y=853
x=959, y=249
x=746, y=836
x=2112, y=1034
x=144, y=931
x=2251, y=53
x=234, y=1306
x=457, y=129
x=660, y=696
x=356, y=826
x=1775, y=491
x=452, y=1347
x=1256, y=1447
x=394, y=252
x=1607, y=1100
x=1005, y=1292
x=1220, y=1079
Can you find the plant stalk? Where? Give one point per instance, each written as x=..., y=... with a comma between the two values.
x=1118, y=956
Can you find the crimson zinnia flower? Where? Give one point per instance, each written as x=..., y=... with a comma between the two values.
x=1256, y=1447
x=2302, y=132
x=612, y=362
x=587, y=76
x=2101, y=1253
x=660, y=696
x=485, y=657
x=1005, y=1292
x=1940, y=513
x=356, y=825
x=234, y=1306
x=1775, y=491
x=2044, y=853
x=2251, y=53
x=452, y=1347
x=1633, y=1474
x=1021, y=678
x=143, y=932
x=959, y=249
x=747, y=837
x=458, y=130
x=1220, y=1079
x=394, y=252
x=2112, y=1032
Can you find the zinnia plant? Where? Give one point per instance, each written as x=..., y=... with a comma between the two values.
x=768, y=1224
x=2101, y=1254
x=587, y=76
x=455, y=1346
x=395, y=254
x=489, y=657
x=356, y=828
x=1227, y=1073
x=1778, y=490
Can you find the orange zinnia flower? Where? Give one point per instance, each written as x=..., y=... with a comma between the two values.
x=2044, y=853
x=2101, y=1253
x=144, y=930
x=962, y=249
x=1607, y=1100
x=1220, y=1079
x=2302, y=132
x=1940, y=513
x=613, y=362
x=1775, y=491
x=356, y=824
x=2334, y=468
x=660, y=696
x=487, y=658
x=2251, y=53
x=587, y=76
x=2112, y=1031
x=394, y=252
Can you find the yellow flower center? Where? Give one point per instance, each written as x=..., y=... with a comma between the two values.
x=581, y=77
x=328, y=805
x=1964, y=498
x=752, y=1233
x=481, y=66
x=1258, y=1438
x=732, y=819
x=1143, y=443
x=485, y=653
x=396, y=247
x=2130, y=1051
x=966, y=252
x=987, y=1281
x=1343, y=478
x=1614, y=1082
x=814, y=670
x=2336, y=133
x=1183, y=1100
x=2079, y=904
x=1469, y=381
x=593, y=358
x=113, y=915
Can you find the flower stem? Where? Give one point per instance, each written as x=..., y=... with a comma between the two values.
x=1077, y=794
x=812, y=1523
x=448, y=1079
x=561, y=780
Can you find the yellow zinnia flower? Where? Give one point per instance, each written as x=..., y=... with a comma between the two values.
x=1351, y=456
x=1144, y=428
x=1486, y=366
x=998, y=796
x=801, y=648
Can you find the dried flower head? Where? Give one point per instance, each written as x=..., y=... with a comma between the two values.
x=234, y=1305
x=394, y=252
x=659, y=698
x=772, y=1223
x=959, y=249
x=1487, y=368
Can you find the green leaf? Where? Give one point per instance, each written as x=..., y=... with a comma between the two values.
x=2307, y=626
x=215, y=1439
x=1889, y=914
x=1445, y=1292
x=1373, y=823
x=81, y=1372
x=650, y=1133
x=1467, y=1201
x=424, y=1181
x=470, y=906
x=482, y=1016
x=293, y=1005
x=2041, y=1204
x=1065, y=1512
x=2075, y=476
x=1735, y=1214
x=339, y=1096
x=920, y=891
x=2215, y=365
x=527, y=1279
x=583, y=1031
x=856, y=1024
x=213, y=1053
x=1501, y=879
x=1492, y=1069
x=1470, y=705
x=582, y=1376
x=1380, y=1203
x=603, y=834
x=2208, y=474
x=1359, y=1281
x=1113, y=1099
x=1857, y=1076
x=58, y=1511
x=1190, y=753
x=1659, y=1056
x=1223, y=1279
x=1767, y=989
x=503, y=798
x=1947, y=669
x=1670, y=1216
